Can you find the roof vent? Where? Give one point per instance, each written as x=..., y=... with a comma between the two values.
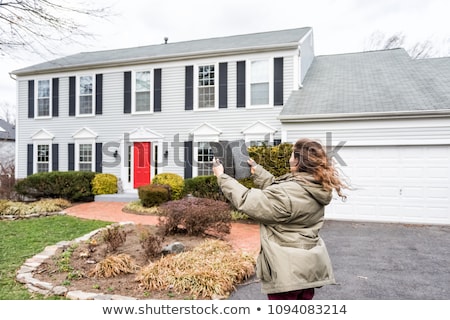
x=165, y=40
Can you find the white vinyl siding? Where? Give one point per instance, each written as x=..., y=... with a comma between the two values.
x=112, y=127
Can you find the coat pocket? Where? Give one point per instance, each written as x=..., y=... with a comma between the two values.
x=263, y=270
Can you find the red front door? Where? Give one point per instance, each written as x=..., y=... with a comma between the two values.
x=141, y=160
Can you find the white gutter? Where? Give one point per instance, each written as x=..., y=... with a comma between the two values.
x=364, y=116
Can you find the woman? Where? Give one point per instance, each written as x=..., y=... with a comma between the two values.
x=293, y=259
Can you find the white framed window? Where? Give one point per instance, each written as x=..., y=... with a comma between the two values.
x=204, y=158
x=206, y=89
x=43, y=102
x=42, y=151
x=85, y=157
x=260, y=82
x=142, y=98
x=85, y=90
x=43, y=158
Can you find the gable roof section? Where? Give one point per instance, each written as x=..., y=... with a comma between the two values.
x=7, y=131
x=370, y=84
x=264, y=41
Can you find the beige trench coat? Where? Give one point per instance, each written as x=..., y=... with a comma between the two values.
x=290, y=210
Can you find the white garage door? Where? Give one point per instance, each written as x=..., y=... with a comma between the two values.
x=408, y=184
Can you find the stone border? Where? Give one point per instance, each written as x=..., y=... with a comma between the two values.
x=31, y=215
x=25, y=273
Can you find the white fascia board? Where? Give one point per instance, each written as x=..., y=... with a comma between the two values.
x=364, y=116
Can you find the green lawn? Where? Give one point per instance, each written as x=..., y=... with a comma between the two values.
x=22, y=239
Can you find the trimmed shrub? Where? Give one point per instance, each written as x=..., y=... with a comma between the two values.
x=195, y=216
x=70, y=185
x=154, y=194
x=274, y=159
x=104, y=183
x=203, y=187
x=175, y=181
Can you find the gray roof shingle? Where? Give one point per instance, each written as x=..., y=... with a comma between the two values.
x=7, y=131
x=219, y=45
x=385, y=81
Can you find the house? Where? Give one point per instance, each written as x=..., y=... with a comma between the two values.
x=7, y=143
x=142, y=111
x=386, y=120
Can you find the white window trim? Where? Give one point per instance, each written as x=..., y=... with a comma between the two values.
x=36, y=99
x=216, y=86
x=133, y=91
x=248, y=67
x=77, y=153
x=77, y=95
x=35, y=154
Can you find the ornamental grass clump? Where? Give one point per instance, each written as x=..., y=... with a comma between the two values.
x=114, y=265
x=213, y=268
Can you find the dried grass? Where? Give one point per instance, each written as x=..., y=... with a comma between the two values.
x=114, y=265
x=213, y=268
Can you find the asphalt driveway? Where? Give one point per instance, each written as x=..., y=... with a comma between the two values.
x=380, y=261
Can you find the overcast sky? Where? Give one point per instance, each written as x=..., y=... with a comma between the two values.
x=339, y=26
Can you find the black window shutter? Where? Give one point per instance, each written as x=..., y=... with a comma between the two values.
x=278, y=81
x=55, y=157
x=223, y=85
x=157, y=90
x=71, y=148
x=189, y=88
x=276, y=142
x=127, y=92
x=98, y=157
x=240, y=102
x=72, y=96
x=99, y=93
x=29, y=159
x=55, y=97
x=30, y=98
x=188, y=156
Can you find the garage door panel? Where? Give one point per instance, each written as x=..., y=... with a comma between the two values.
x=402, y=183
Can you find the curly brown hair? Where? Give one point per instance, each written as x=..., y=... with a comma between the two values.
x=312, y=158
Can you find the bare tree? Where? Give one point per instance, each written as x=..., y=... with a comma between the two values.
x=8, y=112
x=379, y=41
x=39, y=25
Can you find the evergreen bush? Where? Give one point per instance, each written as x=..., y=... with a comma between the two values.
x=175, y=181
x=104, y=183
x=154, y=194
x=70, y=185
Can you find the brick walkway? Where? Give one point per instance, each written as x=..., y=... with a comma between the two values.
x=242, y=236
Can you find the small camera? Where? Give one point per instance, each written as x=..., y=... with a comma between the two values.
x=233, y=155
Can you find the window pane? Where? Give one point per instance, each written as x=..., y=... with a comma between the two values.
x=260, y=71
x=205, y=157
x=43, y=107
x=143, y=81
x=43, y=155
x=85, y=104
x=85, y=156
x=206, y=97
x=142, y=101
x=43, y=88
x=260, y=93
x=86, y=85
x=206, y=91
x=43, y=101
